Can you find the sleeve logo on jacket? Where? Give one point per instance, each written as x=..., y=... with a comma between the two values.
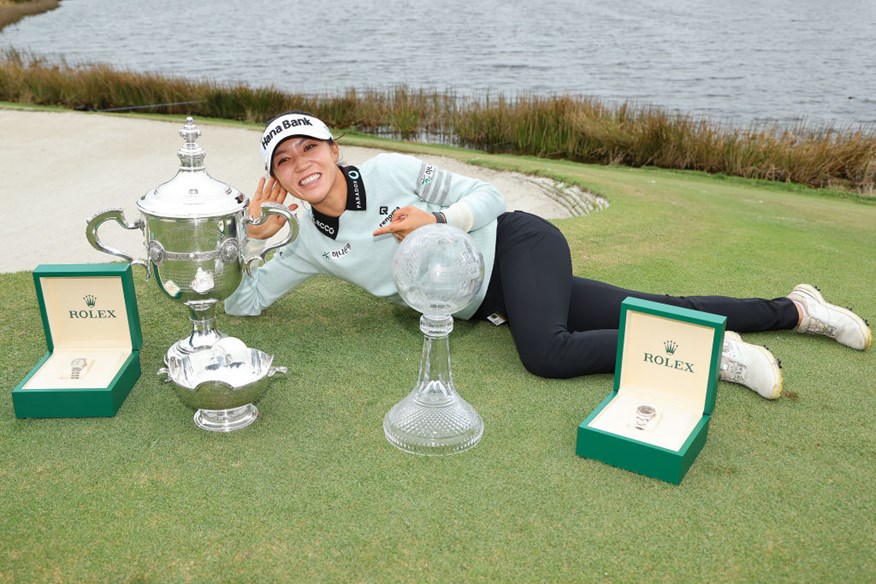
x=427, y=175
x=433, y=184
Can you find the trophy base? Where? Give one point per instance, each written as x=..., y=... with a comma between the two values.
x=433, y=430
x=226, y=420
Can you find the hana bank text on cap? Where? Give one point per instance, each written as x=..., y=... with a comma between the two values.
x=290, y=125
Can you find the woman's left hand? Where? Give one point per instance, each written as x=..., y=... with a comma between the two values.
x=405, y=220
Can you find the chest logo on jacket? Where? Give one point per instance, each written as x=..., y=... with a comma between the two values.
x=388, y=217
x=337, y=253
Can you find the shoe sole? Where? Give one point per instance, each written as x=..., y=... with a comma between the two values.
x=813, y=291
x=776, y=390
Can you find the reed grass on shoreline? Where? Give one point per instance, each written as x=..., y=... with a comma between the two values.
x=11, y=11
x=568, y=127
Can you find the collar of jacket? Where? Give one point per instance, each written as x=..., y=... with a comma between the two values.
x=331, y=226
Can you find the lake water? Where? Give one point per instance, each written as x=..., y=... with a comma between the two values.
x=742, y=62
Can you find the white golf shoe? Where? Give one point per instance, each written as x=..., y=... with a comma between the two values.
x=750, y=365
x=822, y=318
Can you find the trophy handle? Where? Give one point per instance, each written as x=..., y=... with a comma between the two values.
x=118, y=215
x=271, y=209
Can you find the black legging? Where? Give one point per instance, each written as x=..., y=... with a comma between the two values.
x=565, y=326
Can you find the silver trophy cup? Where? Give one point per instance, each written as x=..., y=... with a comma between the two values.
x=194, y=231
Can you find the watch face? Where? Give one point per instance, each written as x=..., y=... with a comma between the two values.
x=647, y=411
x=78, y=363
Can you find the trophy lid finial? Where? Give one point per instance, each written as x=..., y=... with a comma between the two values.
x=192, y=193
x=191, y=155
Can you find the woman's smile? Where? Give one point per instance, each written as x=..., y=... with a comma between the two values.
x=309, y=179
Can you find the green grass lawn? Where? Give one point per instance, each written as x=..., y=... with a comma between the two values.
x=782, y=491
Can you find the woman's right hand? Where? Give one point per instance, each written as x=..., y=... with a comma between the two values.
x=267, y=191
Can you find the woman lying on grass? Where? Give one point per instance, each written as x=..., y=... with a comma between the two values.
x=562, y=325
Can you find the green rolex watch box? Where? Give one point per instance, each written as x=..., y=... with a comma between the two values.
x=656, y=419
x=92, y=328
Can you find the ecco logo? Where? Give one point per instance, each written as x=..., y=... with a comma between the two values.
x=327, y=228
x=278, y=129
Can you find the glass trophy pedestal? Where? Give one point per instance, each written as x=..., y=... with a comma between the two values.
x=438, y=271
x=434, y=419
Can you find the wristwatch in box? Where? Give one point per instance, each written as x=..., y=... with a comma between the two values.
x=76, y=367
x=644, y=414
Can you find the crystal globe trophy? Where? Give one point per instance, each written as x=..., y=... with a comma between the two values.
x=438, y=271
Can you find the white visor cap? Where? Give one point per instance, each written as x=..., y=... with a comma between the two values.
x=290, y=125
